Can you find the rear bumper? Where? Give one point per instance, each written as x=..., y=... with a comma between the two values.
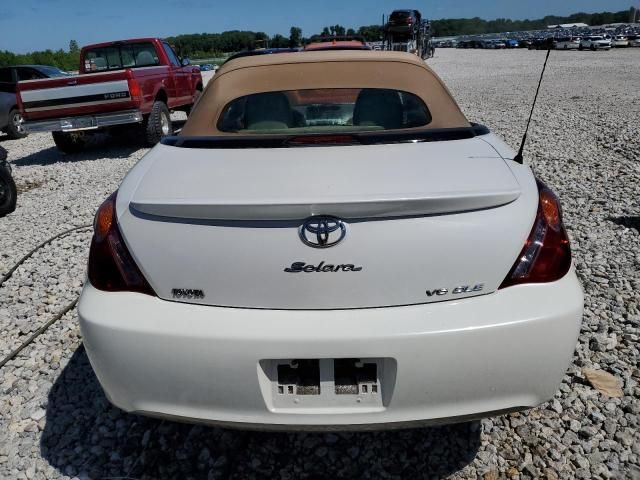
x=84, y=122
x=450, y=361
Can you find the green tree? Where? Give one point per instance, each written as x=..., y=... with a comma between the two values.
x=295, y=37
x=262, y=40
x=371, y=33
x=279, y=41
x=71, y=61
x=338, y=30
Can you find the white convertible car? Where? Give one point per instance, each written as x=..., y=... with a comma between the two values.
x=329, y=243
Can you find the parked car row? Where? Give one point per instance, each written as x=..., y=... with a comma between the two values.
x=209, y=67
x=565, y=38
x=592, y=42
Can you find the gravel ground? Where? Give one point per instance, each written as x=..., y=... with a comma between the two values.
x=56, y=423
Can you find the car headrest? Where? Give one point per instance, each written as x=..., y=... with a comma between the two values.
x=100, y=63
x=266, y=110
x=378, y=107
x=144, y=58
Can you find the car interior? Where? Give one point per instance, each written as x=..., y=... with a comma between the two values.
x=322, y=110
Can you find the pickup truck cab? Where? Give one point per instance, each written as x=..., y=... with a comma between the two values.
x=138, y=81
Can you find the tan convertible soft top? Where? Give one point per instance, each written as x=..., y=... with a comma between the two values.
x=324, y=69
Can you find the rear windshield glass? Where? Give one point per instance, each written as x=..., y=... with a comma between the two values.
x=5, y=75
x=324, y=110
x=51, y=71
x=7, y=84
x=117, y=57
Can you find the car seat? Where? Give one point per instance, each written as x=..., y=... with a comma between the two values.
x=144, y=58
x=378, y=108
x=268, y=111
x=100, y=63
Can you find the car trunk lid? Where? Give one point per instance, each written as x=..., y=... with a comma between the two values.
x=349, y=182
x=419, y=219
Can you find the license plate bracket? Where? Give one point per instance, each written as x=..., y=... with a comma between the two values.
x=318, y=384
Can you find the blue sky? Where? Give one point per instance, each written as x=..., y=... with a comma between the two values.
x=27, y=25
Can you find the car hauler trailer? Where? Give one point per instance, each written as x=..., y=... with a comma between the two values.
x=407, y=31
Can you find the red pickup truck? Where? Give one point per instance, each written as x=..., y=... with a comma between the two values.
x=136, y=81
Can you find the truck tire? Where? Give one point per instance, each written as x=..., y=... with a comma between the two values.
x=158, y=123
x=15, y=129
x=8, y=192
x=70, y=142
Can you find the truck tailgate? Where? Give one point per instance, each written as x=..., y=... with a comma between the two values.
x=75, y=95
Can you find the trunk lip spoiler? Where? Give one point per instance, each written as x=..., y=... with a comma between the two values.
x=365, y=208
x=284, y=141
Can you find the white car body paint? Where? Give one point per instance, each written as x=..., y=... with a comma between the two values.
x=464, y=358
x=406, y=221
x=567, y=44
x=420, y=217
x=596, y=43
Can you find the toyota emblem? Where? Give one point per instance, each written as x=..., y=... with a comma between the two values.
x=322, y=231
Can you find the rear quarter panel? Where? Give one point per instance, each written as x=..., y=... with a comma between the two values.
x=154, y=82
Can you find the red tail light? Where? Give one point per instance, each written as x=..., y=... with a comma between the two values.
x=546, y=256
x=111, y=267
x=19, y=100
x=134, y=90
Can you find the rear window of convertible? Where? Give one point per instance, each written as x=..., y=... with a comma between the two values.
x=324, y=110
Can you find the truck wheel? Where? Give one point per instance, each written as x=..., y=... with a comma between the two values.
x=8, y=192
x=69, y=142
x=15, y=129
x=158, y=123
